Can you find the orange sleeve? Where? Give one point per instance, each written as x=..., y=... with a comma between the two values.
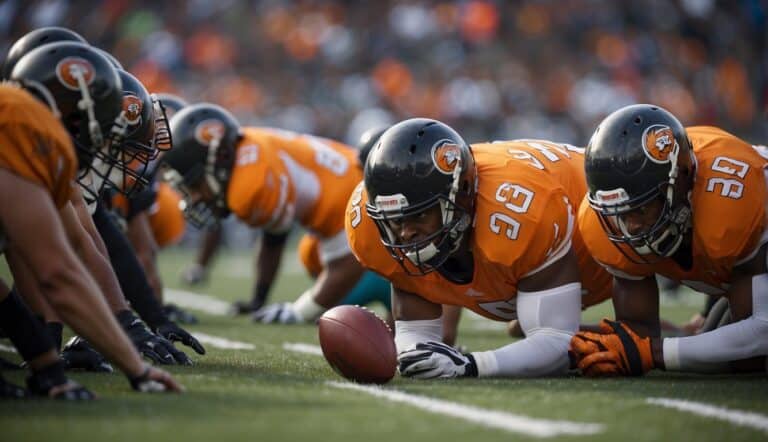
x=35, y=146
x=166, y=218
x=260, y=191
x=363, y=236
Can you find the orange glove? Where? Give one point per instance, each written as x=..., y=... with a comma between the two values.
x=615, y=351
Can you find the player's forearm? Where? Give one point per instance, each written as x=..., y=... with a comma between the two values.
x=267, y=264
x=84, y=241
x=338, y=279
x=543, y=353
x=75, y=298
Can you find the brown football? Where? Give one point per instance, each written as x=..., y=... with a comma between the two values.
x=358, y=344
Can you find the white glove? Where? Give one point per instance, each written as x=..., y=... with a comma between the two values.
x=432, y=359
x=194, y=274
x=282, y=313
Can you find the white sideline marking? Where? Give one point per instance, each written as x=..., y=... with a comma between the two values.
x=196, y=301
x=300, y=347
x=8, y=348
x=487, y=418
x=515, y=423
x=743, y=418
x=215, y=341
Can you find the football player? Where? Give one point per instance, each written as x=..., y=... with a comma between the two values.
x=688, y=204
x=82, y=93
x=270, y=179
x=142, y=119
x=490, y=227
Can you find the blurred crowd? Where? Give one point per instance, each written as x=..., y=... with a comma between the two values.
x=491, y=69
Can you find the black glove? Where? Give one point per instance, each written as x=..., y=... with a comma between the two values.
x=174, y=333
x=11, y=391
x=52, y=383
x=155, y=348
x=78, y=354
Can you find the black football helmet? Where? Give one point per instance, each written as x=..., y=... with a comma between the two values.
x=205, y=137
x=641, y=155
x=418, y=164
x=33, y=40
x=171, y=103
x=82, y=89
x=112, y=59
x=146, y=133
x=367, y=140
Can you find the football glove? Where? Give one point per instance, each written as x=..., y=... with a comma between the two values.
x=52, y=383
x=11, y=391
x=78, y=354
x=195, y=274
x=434, y=359
x=155, y=348
x=176, y=314
x=172, y=332
x=616, y=351
x=282, y=313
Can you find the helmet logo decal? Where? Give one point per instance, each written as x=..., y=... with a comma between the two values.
x=659, y=143
x=445, y=156
x=388, y=203
x=209, y=130
x=132, y=106
x=612, y=197
x=70, y=69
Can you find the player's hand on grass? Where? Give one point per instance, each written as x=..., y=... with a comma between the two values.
x=194, y=274
x=433, y=359
x=155, y=348
x=246, y=307
x=282, y=313
x=174, y=333
x=615, y=351
x=78, y=354
x=155, y=380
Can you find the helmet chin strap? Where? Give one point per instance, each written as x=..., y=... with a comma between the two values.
x=422, y=255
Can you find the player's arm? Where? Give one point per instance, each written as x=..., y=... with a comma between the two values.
x=266, y=265
x=41, y=242
x=197, y=272
x=636, y=302
x=89, y=246
x=139, y=233
x=739, y=346
x=548, y=309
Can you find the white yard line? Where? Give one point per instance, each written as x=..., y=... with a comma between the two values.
x=488, y=418
x=218, y=342
x=500, y=420
x=736, y=417
x=300, y=347
x=196, y=301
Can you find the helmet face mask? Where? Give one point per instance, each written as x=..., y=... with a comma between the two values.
x=84, y=91
x=639, y=166
x=418, y=166
x=200, y=163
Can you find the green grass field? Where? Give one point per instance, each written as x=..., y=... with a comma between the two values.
x=269, y=393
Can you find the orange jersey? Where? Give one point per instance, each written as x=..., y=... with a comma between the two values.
x=165, y=216
x=280, y=177
x=34, y=145
x=524, y=221
x=729, y=216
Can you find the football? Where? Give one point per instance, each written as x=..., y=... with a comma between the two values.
x=358, y=344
